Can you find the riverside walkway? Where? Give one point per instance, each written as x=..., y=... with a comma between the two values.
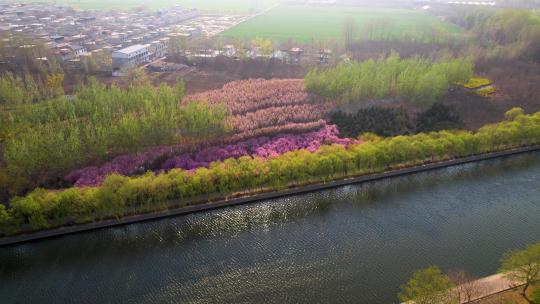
x=486, y=287
x=476, y=290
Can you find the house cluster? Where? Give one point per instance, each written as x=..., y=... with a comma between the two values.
x=129, y=37
x=287, y=55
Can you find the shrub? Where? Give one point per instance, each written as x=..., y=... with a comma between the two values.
x=378, y=120
x=396, y=121
x=486, y=92
x=438, y=117
x=476, y=82
x=167, y=158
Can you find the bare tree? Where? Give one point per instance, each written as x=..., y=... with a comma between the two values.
x=349, y=31
x=467, y=287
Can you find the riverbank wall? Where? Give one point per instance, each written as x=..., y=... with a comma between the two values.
x=21, y=238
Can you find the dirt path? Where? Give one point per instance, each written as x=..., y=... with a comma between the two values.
x=491, y=285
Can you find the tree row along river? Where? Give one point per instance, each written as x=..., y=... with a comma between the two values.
x=119, y=195
x=352, y=244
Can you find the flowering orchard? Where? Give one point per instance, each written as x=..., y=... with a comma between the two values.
x=261, y=107
x=250, y=95
x=262, y=147
x=166, y=158
x=279, y=116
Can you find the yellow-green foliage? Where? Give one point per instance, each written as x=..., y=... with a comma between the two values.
x=513, y=113
x=16, y=90
x=476, y=82
x=119, y=196
x=44, y=141
x=417, y=80
x=485, y=92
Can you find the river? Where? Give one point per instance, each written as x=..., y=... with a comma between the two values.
x=353, y=244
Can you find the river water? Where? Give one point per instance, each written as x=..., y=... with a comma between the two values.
x=353, y=244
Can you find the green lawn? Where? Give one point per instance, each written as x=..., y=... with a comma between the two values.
x=232, y=6
x=302, y=23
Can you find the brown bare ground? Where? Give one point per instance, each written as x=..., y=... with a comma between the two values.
x=214, y=73
x=474, y=110
x=517, y=84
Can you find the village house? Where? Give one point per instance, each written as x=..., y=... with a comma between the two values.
x=129, y=57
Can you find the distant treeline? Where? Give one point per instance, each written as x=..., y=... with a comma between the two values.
x=502, y=34
x=119, y=195
x=384, y=29
x=416, y=80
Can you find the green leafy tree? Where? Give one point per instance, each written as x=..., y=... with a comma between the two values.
x=7, y=222
x=427, y=286
x=54, y=84
x=264, y=44
x=523, y=267
x=415, y=80
x=41, y=142
x=513, y=113
x=180, y=89
x=13, y=90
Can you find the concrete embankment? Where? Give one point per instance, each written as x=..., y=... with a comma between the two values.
x=254, y=198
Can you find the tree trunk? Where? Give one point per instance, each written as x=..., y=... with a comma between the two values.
x=524, y=293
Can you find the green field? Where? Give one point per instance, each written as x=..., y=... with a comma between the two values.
x=302, y=23
x=233, y=6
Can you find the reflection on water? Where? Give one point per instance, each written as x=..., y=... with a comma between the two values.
x=352, y=244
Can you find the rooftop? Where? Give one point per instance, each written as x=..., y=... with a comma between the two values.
x=131, y=49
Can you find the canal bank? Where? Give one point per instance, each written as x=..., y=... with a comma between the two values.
x=257, y=197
